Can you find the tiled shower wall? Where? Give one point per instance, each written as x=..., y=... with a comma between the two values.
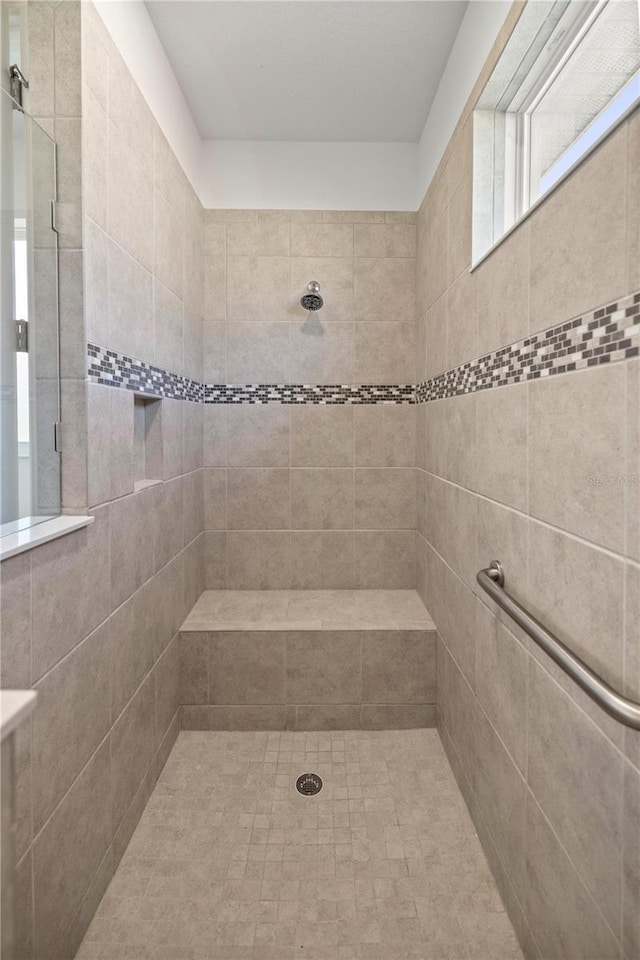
x=90, y=620
x=542, y=475
x=312, y=495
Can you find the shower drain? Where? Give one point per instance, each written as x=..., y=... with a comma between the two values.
x=309, y=784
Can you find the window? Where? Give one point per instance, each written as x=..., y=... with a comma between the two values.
x=568, y=75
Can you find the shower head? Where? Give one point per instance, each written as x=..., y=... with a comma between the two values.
x=312, y=300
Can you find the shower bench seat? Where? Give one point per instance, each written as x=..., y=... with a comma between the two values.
x=308, y=660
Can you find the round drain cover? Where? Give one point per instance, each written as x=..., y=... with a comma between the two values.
x=309, y=784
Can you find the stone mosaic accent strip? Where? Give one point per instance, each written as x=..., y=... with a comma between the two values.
x=604, y=335
x=115, y=370
x=319, y=394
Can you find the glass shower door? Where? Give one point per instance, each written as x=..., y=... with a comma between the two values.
x=29, y=353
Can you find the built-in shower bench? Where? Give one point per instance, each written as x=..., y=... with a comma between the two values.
x=308, y=660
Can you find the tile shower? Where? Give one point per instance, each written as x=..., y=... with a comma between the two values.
x=254, y=603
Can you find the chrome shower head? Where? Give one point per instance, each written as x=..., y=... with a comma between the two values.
x=312, y=300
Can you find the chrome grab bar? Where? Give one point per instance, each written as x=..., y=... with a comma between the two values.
x=626, y=711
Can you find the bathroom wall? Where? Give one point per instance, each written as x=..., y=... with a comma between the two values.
x=90, y=620
x=542, y=475
x=312, y=495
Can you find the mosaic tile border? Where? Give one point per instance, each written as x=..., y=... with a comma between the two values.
x=113, y=369
x=318, y=394
x=604, y=335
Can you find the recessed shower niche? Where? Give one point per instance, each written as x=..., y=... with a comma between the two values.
x=147, y=441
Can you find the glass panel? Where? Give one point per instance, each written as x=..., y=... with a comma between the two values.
x=29, y=355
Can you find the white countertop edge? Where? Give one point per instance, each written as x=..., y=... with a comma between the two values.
x=40, y=533
x=15, y=706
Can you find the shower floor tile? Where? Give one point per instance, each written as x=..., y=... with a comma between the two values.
x=229, y=862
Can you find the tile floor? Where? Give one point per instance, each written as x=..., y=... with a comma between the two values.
x=229, y=863
x=309, y=610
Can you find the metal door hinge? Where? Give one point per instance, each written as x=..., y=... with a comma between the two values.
x=17, y=83
x=57, y=436
x=22, y=336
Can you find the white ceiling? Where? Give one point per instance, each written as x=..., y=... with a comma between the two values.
x=332, y=70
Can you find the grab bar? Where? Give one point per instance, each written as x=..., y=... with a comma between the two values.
x=626, y=711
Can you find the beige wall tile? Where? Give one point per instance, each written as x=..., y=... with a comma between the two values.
x=397, y=716
x=323, y=667
x=215, y=499
x=322, y=436
x=321, y=240
x=133, y=743
x=385, y=435
x=167, y=325
x=322, y=498
x=63, y=615
x=193, y=504
x=259, y=435
x=322, y=559
x=321, y=353
x=384, y=289
x=193, y=336
x=259, y=560
x=577, y=427
x=130, y=200
x=633, y=460
x=194, y=667
x=576, y=591
x=462, y=320
x=258, y=352
x=566, y=920
x=258, y=498
x=168, y=701
x=215, y=435
x=215, y=288
x=214, y=352
x=399, y=667
x=64, y=739
x=96, y=291
x=385, y=240
x=94, y=159
x=633, y=204
x=171, y=411
x=130, y=306
x=215, y=559
x=168, y=175
x=581, y=803
x=631, y=861
x=167, y=245
x=435, y=435
x=458, y=627
x=583, y=227
x=501, y=792
x=437, y=337
x=503, y=293
x=15, y=574
x=459, y=440
x=384, y=352
x=258, y=239
x=384, y=558
x=258, y=288
x=167, y=504
x=501, y=683
x=385, y=499
x=130, y=566
x=132, y=639
x=503, y=425
x=68, y=851
x=247, y=667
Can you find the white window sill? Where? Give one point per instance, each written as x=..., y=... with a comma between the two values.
x=40, y=533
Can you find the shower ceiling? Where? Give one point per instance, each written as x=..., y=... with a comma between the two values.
x=323, y=70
